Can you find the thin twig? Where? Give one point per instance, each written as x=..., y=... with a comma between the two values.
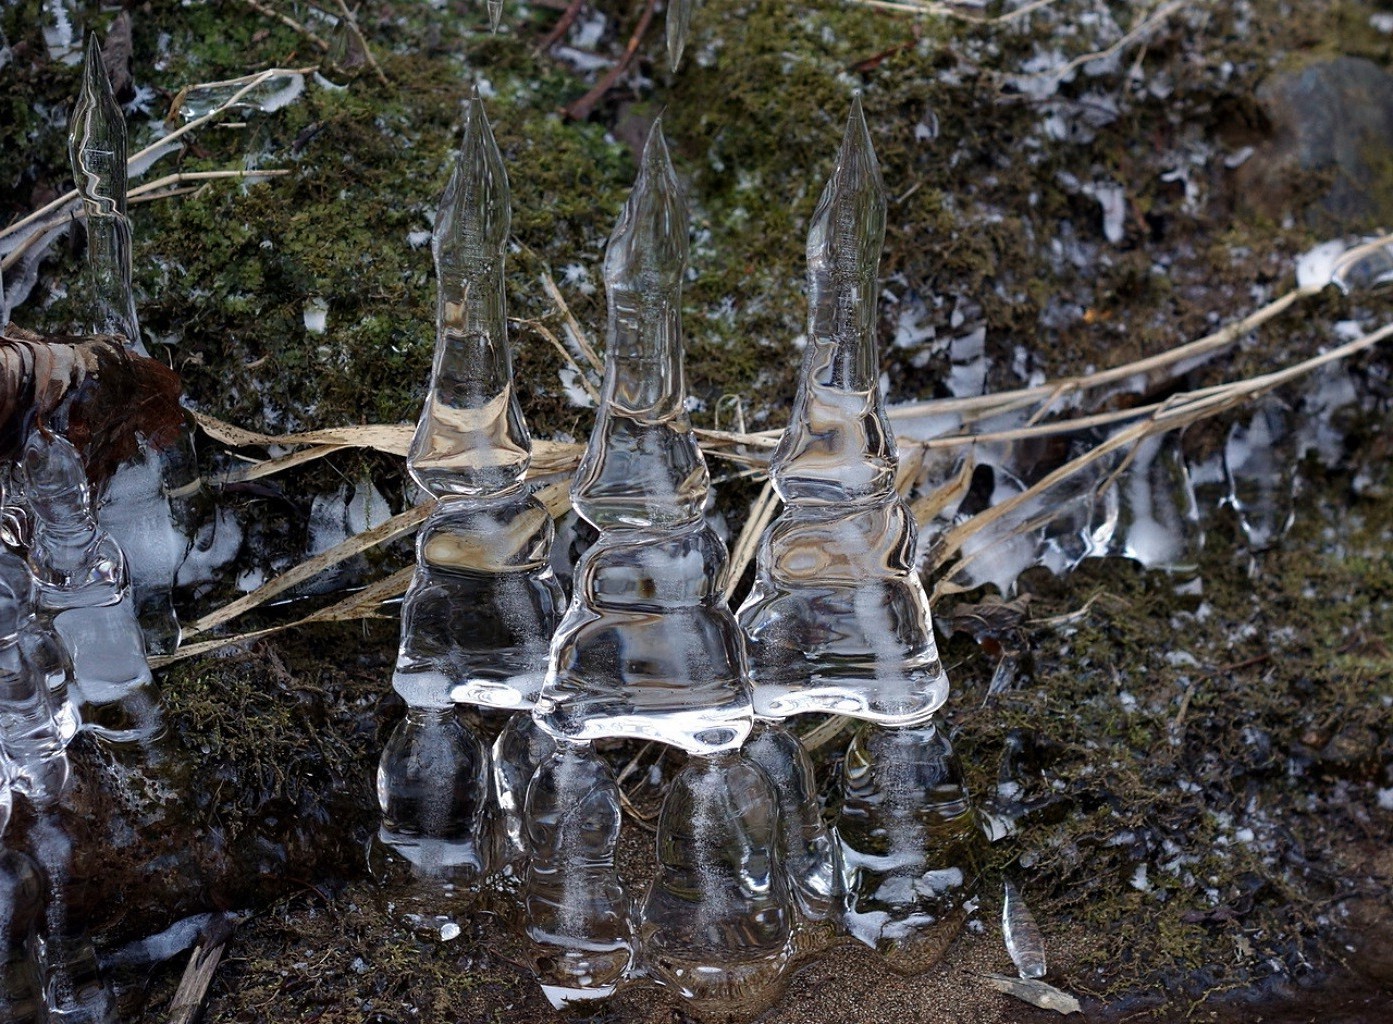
x=352, y=20
x=567, y=19
x=585, y=106
x=949, y=11
x=761, y=513
x=289, y=22
x=542, y=329
x=573, y=328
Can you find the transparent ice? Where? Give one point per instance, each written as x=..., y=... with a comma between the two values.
x=23, y=890
x=907, y=828
x=1259, y=461
x=809, y=850
x=1021, y=934
x=838, y=620
x=648, y=648
x=83, y=591
x=1158, y=520
x=30, y=737
x=678, y=24
x=576, y=911
x=97, y=149
x=717, y=918
x=432, y=786
x=38, y=646
x=520, y=747
x=471, y=438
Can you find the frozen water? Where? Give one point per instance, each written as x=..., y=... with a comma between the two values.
x=273, y=94
x=907, y=827
x=38, y=647
x=810, y=853
x=1259, y=461
x=471, y=438
x=23, y=892
x=1021, y=934
x=97, y=148
x=678, y=24
x=1158, y=520
x=642, y=466
x=432, y=786
x=717, y=918
x=30, y=737
x=520, y=747
x=838, y=620
x=576, y=911
x=482, y=605
x=648, y=648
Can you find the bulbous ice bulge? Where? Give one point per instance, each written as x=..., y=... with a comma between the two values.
x=23, y=894
x=838, y=446
x=808, y=849
x=97, y=149
x=483, y=604
x=648, y=648
x=717, y=919
x=432, y=786
x=471, y=438
x=642, y=466
x=1158, y=522
x=838, y=621
x=1260, y=462
x=577, y=914
x=519, y=748
x=909, y=835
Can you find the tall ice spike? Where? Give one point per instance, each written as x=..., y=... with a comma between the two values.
x=642, y=466
x=838, y=445
x=679, y=24
x=838, y=620
x=97, y=149
x=471, y=438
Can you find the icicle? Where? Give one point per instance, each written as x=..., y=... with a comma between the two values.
x=495, y=9
x=678, y=25
x=1021, y=934
x=97, y=149
x=1260, y=461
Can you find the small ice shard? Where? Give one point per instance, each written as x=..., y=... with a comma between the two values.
x=1260, y=463
x=908, y=834
x=30, y=737
x=1021, y=934
x=808, y=849
x=678, y=25
x=1158, y=519
x=432, y=786
x=717, y=918
x=576, y=912
x=97, y=149
x=23, y=895
x=520, y=747
x=270, y=95
x=648, y=648
x=471, y=438
x=82, y=582
x=642, y=466
x=838, y=621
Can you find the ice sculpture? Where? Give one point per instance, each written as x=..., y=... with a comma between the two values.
x=908, y=832
x=576, y=911
x=808, y=849
x=483, y=602
x=648, y=647
x=97, y=149
x=82, y=582
x=838, y=621
x=29, y=734
x=717, y=919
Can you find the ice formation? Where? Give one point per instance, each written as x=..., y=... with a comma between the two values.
x=838, y=620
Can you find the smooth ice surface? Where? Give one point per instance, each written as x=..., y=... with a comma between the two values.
x=432, y=787
x=577, y=914
x=273, y=94
x=1259, y=460
x=906, y=826
x=23, y=894
x=808, y=849
x=119, y=699
x=838, y=446
x=471, y=438
x=1021, y=934
x=483, y=604
x=648, y=648
x=29, y=736
x=1158, y=520
x=521, y=745
x=74, y=561
x=38, y=646
x=642, y=466
x=717, y=918
x=97, y=149
x=678, y=24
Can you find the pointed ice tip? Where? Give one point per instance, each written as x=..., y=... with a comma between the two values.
x=655, y=153
x=857, y=148
x=652, y=229
x=495, y=15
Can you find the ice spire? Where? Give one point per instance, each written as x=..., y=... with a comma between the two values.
x=495, y=9
x=471, y=438
x=838, y=620
x=838, y=446
x=642, y=466
x=97, y=149
x=678, y=24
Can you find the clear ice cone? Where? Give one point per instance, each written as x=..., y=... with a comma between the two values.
x=678, y=24
x=482, y=606
x=97, y=149
x=642, y=466
x=717, y=918
x=471, y=438
x=908, y=834
x=577, y=913
x=648, y=648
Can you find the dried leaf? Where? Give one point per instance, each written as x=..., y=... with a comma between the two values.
x=1035, y=992
x=993, y=619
